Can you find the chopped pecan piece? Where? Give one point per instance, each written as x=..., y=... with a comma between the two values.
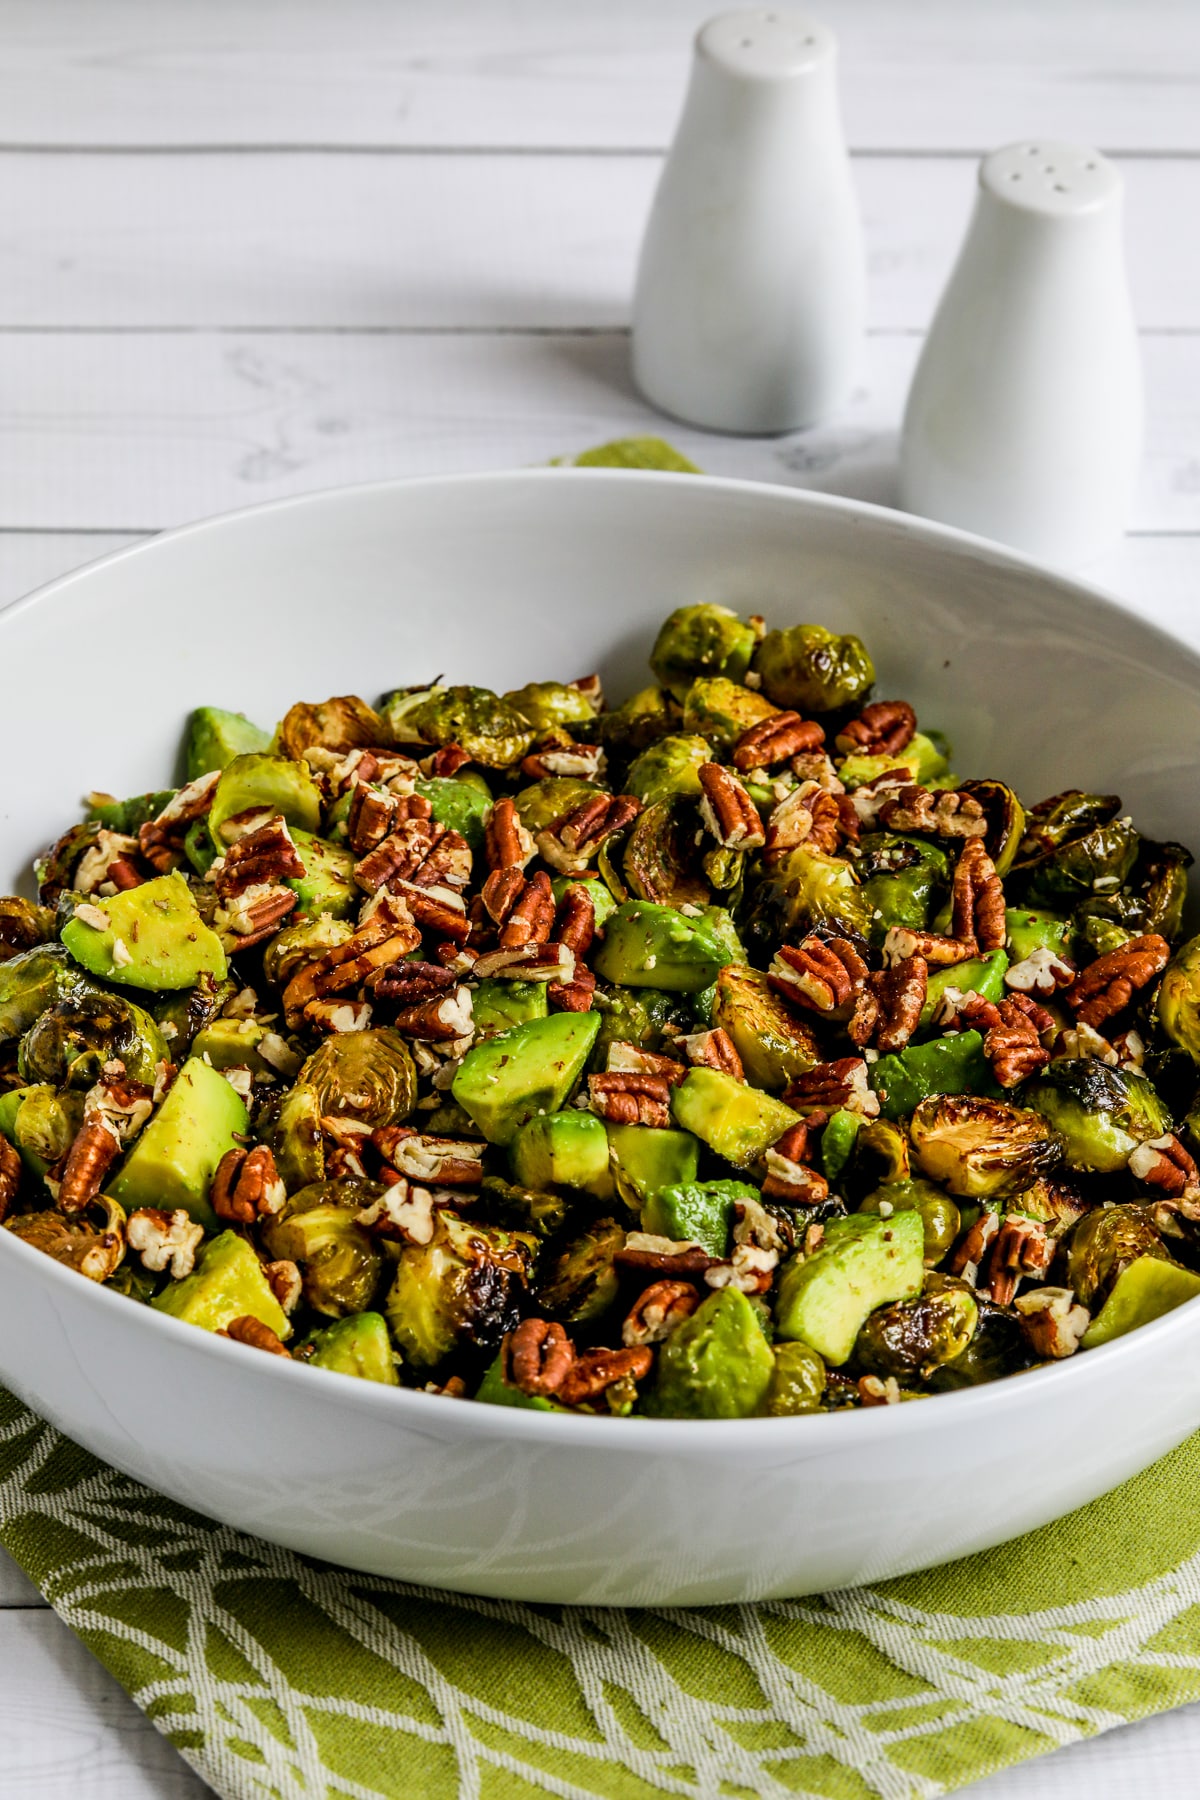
x=1019, y=1248
x=10, y=1176
x=877, y=1390
x=657, y=1311
x=1053, y=1321
x=246, y=1186
x=629, y=1099
x=574, y=838
x=438, y=910
x=446, y=761
x=575, y=922
x=714, y=1050
x=529, y=962
x=93, y=1152
x=373, y=814
x=265, y=856
x=285, y=1282
x=940, y=952
x=165, y=1240
x=1041, y=972
x=559, y=755
x=972, y=1247
x=1163, y=1163
x=447, y=1162
x=727, y=810
x=531, y=919
x=823, y=974
x=411, y=983
x=592, y=1371
x=883, y=728
x=161, y=839
x=663, y=1256
x=337, y=1017
x=539, y=1356
x=631, y=1059
x=977, y=898
x=789, y=1178
x=398, y=856
x=841, y=1083
x=94, y=870
x=776, y=739
x=944, y=814
x=448, y=864
x=1107, y=986
x=438, y=1020
x=506, y=843
x=386, y=933
x=889, y=1005
x=809, y=815
x=404, y=1213
x=575, y=995
x=252, y=1331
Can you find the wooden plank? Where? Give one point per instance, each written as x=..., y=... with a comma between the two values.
x=436, y=241
x=67, y=1728
x=941, y=75
x=131, y=432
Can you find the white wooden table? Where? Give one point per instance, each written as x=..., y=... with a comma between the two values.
x=247, y=250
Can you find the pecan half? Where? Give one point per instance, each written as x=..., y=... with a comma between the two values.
x=575, y=922
x=165, y=1240
x=902, y=941
x=943, y=814
x=506, y=843
x=372, y=815
x=1107, y=985
x=889, y=1005
x=630, y=1059
x=252, y=1331
x=714, y=1050
x=841, y=1083
x=1020, y=1248
x=161, y=839
x=1053, y=1321
x=251, y=917
x=972, y=1247
x=629, y=1099
x=398, y=856
x=93, y=1152
x=531, y=918
x=574, y=838
x=822, y=974
x=540, y=1356
x=10, y=1176
x=559, y=755
x=501, y=891
x=337, y=1017
x=1163, y=1163
x=246, y=1186
x=386, y=934
x=267, y=855
x=656, y=1312
x=575, y=995
x=776, y=739
x=1013, y=1030
x=883, y=728
x=809, y=815
x=447, y=760
x=285, y=1282
x=528, y=962
x=438, y=910
x=447, y=1162
x=448, y=864
x=593, y=1371
x=438, y=1020
x=662, y=1256
x=727, y=810
x=410, y=983
x=977, y=898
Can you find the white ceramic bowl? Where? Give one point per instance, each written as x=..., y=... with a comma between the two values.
x=496, y=579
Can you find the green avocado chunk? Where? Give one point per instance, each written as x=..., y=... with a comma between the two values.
x=215, y=737
x=983, y=975
x=356, y=1345
x=154, y=938
x=227, y=1284
x=737, y=1121
x=945, y=1065
x=262, y=783
x=838, y=1140
x=1030, y=931
x=563, y=1149
x=1145, y=1290
x=716, y=1365
x=645, y=1158
x=327, y=884
x=864, y=1261
x=499, y=1005
x=655, y=946
x=459, y=802
x=493, y=1390
x=528, y=1070
x=696, y=1212
x=173, y=1162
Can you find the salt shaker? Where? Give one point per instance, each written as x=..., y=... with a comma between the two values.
x=748, y=311
x=1024, y=420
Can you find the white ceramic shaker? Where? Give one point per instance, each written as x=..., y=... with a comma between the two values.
x=748, y=311
x=1024, y=421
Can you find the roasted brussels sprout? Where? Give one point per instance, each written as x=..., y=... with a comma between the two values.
x=539, y=805
x=1100, y=1114
x=940, y=1217
x=1152, y=899
x=298, y=944
x=669, y=769
x=92, y=1244
x=920, y=760
x=492, y=732
x=982, y=1149
x=546, y=704
x=774, y=1042
x=73, y=1039
x=1005, y=820
x=797, y=1382
x=45, y=1124
x=808, y=888
x=56, y=866
x=716, y=1365
x=811, y=670
x=701, y=640
x=640, y=722
x=318, y=1229
x=293, y=1130
x=22, y=926
x=661, y=861
x=1104, y=1243
x=1178, y=998
x=343, y=723
x=538, y=1211
x=580, y=1283
x=364, y=1075
x=641, y=1016
x=462, y=1290
x=998, y=1347
x=1074, y=850
x=30, y=982
x=722, y=710
x=1063, y=818
x=911, y=1338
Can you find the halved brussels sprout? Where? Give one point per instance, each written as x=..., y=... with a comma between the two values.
x=640, y=722
x=668, y=768
x=364, y=1075
x=549, y=703
x=318, y=1229
x=701, y=640
x=982, y=1149
x=661, y=862
x=1104, y=1243
x=55, y=867
x=797, y=1383
x=1075, y=847
x=641, y=1016
x=298, y=944
x=493, y=733
x=539, y=805
x=535, y=1210
x=1153, y=897
x=581, y=1282
x=998, y=1347
x=461, y=1290
x=1005, y=820
x=23, y=926
x=1178, y=998
x=293, y=1130
x=186, y=1011
x=939, y=1215
x=91, y=1243
x=342, y=723
x=29, y=983
x=808, y=888
x=1100, y=1114
x=911, y=1338
x=811, y=670
x=721, y=710
x=903, y=880
x=774, y=1043
x=1063, y=818
x=72, y=1040
x=45, y=1125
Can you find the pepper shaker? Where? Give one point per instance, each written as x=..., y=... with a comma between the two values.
x=748, y=310
x=1024, y=419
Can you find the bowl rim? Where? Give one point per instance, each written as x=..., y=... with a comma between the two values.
x=408, y=1408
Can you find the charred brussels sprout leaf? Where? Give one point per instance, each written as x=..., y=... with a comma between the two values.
x=343, y=723
x=774, y=1042
x=73, y=1039
x=22, y=926
x=293, y=1130
x=1152, y=899
x=1075, y=849
x=29, y=982
x=318, y=1229
x=701, y=640
x=911, y=1338
x=811, y=670
x=580, y=1283
x=902, y=879
x=641, y=1016
x=1100, y=1114
x=364, y=1075
x=721, y=710
x=1065, y=817
x=661, y=862
x=982, y=1149
x=526, y=1208
x=492, y=732
x=1103, y=1244
x=997, y=1348
x=460, y=1291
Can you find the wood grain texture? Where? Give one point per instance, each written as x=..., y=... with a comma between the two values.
x=946, y=74
x=493, y=242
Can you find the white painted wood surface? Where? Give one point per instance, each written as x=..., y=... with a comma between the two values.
x=249, y=250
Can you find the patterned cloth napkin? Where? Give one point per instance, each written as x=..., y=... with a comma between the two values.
x=278, y=1678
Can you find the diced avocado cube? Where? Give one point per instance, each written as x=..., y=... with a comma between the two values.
x=645, y=1158
x=493, y=1390
x=174, y=1160
x=716, y=1365
x=945, y=1065
x=921, y=759
x=1145, y=1290
x=231, y=1044
x=327, y=884
x=983, y=975
x=227, y=1283
x=499, y=1005
x=530, y=1069
x=268, y=784
x=563, y=1149
x=696, y=1212
x=154, y=938
x=459, y=802
x=1029, y=931
x=215, y=737
x=864, y=1261
x=732, y=1118
x=603, y=904
x=655, y=946
x=356, y=1345
x=838, y=1140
